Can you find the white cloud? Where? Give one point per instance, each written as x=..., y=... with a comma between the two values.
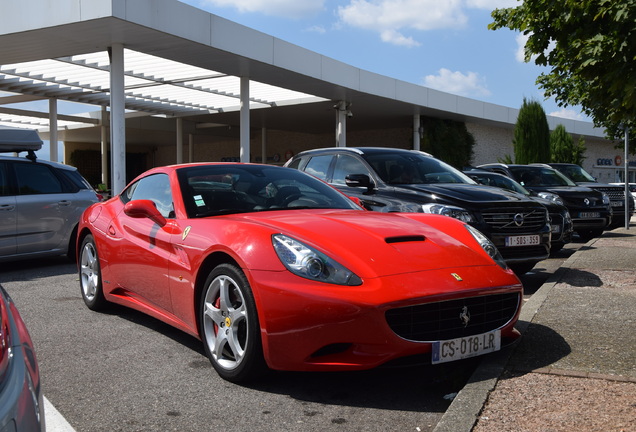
x=569, y=114
x=316, y=29
x=391, y=17
x=470, y=84
x=520, y=54
x=279, y=8
x=491, y=4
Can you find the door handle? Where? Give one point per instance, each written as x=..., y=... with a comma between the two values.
x=64, y=203
x=7, y=207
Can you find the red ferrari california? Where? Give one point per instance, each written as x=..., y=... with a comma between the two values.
x=273, y=269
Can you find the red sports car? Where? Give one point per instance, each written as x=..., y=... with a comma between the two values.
x=272, y=268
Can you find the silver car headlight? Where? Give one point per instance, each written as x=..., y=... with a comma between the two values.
x=307, y=262
x=551, y=197
x=606, y=199
x=488, y=246
x=447, y=210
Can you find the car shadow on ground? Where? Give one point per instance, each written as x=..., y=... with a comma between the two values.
x=539, y=347
x=429, y=388
x=36, y=268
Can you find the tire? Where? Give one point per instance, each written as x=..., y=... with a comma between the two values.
x=555, y=249
x=522, y=268
x=230, y=330
x=90, y=275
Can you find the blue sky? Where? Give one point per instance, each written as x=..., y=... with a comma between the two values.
x=442, y=44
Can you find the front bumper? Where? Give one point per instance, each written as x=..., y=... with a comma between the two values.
x=312, y=326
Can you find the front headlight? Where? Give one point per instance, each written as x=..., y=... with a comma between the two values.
x=309, y=263
x=446, y=210
x=551, y=197
x=488, y=246
x=606, y=199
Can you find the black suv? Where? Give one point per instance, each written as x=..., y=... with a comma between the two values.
x=560, y=220
x=616, y=193
x=395, y=180
x=590, y=210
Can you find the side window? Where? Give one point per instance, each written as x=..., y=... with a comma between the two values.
x=318, y=166
x=4, y=180
x=155, y=188
x=346, y=165
x=36, y=179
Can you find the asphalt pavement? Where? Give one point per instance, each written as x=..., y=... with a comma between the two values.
x=580, y=323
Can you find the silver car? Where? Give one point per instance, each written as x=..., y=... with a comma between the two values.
x=40, y=206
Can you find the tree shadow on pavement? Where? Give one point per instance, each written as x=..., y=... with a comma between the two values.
x=581, y=278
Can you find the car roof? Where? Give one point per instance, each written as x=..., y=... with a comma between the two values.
x=363, y=150
x=41, y=161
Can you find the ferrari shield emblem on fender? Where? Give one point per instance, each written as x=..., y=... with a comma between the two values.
x=457, y=277
x=186, y=231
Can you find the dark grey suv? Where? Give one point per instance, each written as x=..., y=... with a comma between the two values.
x=396, y=180
x=40, y=206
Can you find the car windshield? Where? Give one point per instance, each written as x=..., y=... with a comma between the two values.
x=210, y=190
x=399, y=168
x=500, y=181
x=576, y=173
x=540, y=177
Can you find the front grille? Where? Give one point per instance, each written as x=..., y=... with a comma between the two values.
x=614, y=194
x=441, y=320
x=503, y=220
x=523, y=251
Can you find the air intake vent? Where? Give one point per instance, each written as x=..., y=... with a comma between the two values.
x=405, y=239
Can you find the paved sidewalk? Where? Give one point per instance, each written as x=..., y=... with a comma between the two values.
x=575, y=367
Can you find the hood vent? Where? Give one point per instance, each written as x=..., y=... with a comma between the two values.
x=405, y=239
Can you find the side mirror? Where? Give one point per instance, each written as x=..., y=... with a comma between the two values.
x=144, y=209
x=359, y=180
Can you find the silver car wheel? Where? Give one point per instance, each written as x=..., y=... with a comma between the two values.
x=89, y=271
x=225, y=322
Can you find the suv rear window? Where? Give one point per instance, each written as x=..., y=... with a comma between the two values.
x=36, y=179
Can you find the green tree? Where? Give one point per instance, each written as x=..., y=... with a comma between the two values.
x=449, y=141
x=564, y=149
x=532, y=134
x=589, y=47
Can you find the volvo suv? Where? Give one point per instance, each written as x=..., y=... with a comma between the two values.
x=560, y=220
x=40, y=206
x=397, y=180
x=590, y=209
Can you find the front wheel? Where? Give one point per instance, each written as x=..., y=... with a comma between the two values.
x=229, y=325
x=90, y=275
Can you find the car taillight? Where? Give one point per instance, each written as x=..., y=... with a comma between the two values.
x=5, y=338
x=99, y=196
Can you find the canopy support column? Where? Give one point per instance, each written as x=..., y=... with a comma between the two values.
x=53, y=129
x=417, y=132
x=341, y=124
x=179, y=140
x=117, y=118
x=245, y=120
x=104, y=146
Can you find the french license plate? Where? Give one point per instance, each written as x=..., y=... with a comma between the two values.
x=525, y=240
x=465, y=347
x=616, y=203
x=589, y=215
